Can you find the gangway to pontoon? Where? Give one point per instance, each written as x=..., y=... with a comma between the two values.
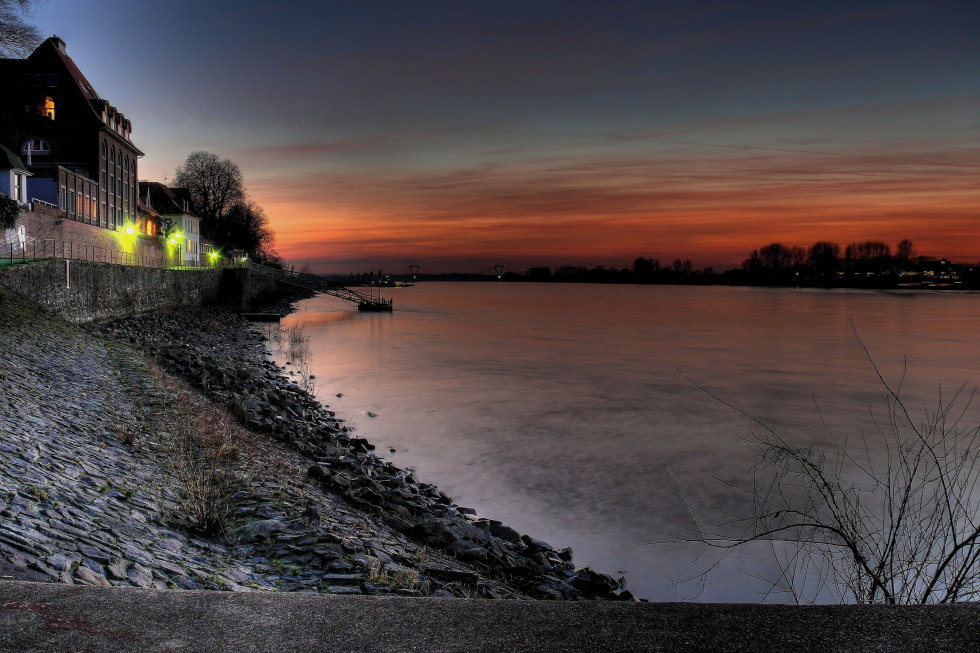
x=317, y=284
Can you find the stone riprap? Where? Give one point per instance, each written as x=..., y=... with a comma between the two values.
x=89, y=493
x=219, y=353
x=76, y=504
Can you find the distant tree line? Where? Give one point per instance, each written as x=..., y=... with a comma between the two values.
x=229, y=217
x=643, y=270
x=867, y=263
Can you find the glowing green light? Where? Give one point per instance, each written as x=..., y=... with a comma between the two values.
x=130, y=231
x=172, y=241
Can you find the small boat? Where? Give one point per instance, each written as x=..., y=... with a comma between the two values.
x=375, y=306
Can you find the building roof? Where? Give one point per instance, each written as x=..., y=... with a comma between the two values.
x=164, y=200
x=98, y=105
x=10, y=161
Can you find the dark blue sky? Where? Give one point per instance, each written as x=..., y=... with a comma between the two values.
x=458, y=134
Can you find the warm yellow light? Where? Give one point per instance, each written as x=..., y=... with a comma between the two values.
x=130, y=231
x=172, y=241
x=178, y=235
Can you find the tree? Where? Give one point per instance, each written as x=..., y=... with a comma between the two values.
x=899, y=527
x=905, y=251
x=215, y=185
x=753, y=263
x=824, y=258
x=246, y=227
x=643, y=267
x=871, y=256
x=17, y=38
x=776, y=256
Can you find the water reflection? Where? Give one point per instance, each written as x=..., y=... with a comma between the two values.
x=558, y=408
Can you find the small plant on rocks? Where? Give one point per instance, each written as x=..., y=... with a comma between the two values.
x=203, y=457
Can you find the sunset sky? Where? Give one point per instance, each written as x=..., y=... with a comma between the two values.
x=461, y=134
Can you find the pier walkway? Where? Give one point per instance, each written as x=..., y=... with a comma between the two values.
x=363, y=301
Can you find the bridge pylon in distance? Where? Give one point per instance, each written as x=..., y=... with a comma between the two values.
x=499, y=271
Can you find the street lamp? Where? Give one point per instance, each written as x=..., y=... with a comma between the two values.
x=176, y=239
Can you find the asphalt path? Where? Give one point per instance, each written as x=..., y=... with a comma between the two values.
x=55, y=617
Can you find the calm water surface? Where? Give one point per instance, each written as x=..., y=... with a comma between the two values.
x=558, y=409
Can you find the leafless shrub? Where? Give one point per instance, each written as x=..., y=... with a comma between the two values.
x=890, y=518
x=202, y=456
x=297, y=343
x=298, y=352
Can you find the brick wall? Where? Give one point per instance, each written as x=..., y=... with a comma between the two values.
x=49, y=234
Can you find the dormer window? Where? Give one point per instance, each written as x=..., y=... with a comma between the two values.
x=47, y=107
x=35, y=146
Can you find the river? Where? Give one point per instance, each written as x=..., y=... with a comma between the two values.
x=572, y=412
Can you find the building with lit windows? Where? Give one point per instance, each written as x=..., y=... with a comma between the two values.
x=75, y=144
x=178, y=223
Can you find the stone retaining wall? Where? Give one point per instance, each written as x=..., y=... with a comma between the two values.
x=80, y=291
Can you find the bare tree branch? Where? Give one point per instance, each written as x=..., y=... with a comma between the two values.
x=17, y=38
x=898, y=522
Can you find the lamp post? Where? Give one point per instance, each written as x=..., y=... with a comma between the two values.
x=176, y=239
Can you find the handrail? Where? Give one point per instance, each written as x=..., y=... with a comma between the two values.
x=49, y=248
x=320, y=285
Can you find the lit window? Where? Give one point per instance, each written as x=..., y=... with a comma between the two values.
x=47, y=107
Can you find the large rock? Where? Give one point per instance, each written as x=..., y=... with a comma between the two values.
x=260, y=530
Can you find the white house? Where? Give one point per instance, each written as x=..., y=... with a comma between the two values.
x=173, y=207
x=13, y=176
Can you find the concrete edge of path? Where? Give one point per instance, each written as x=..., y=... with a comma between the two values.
x=54, y=617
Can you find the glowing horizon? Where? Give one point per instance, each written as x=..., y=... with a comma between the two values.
x=461, y=135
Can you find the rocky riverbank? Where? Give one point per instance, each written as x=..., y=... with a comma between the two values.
x=90, y=492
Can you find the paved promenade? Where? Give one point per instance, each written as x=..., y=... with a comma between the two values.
x=56, y=617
